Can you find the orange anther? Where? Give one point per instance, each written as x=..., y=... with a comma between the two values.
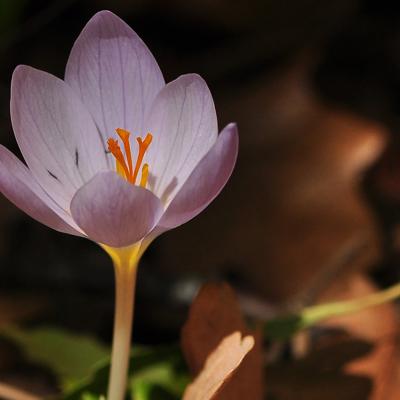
x=115, y=150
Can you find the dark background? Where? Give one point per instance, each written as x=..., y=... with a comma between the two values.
x=315, y=89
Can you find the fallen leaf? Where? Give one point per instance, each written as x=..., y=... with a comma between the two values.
x=214, y=314
x=8, y=392
x=219, y=366
x=321, y=375
x=353, y=357
x=377, y=325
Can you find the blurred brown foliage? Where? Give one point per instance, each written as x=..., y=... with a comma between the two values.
x=353, y=357
x=214, y=314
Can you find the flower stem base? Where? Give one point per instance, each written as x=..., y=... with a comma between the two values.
x=125, y=266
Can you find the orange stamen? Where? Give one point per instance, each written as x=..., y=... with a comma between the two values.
x=143, y=145
x=145, y=175
x=115, y=150
x=124, y=135
x=124, y=163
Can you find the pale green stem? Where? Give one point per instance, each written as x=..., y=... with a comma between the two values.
x=125, y=266
x=314, y=314
x=285, y=326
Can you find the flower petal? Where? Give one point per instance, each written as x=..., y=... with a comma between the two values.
x=114, y=73
x=184, y=125
x=19, y=186
x=205, y=182
x=114, y=212
x=55, y=133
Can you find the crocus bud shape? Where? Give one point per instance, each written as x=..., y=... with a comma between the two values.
x=83, y=176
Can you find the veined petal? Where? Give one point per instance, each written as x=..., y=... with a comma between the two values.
x=184, y=125
x=114, y=212
x=114, y=73
x=205, y=182
x=56, y=134
x=20, y=187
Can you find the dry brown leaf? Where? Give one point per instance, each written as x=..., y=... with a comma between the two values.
x=219, y=366
x=394, y=390
x=380, y=327
x=8, y=392
x=320, y=375
x=354, y=357
x=215, y=314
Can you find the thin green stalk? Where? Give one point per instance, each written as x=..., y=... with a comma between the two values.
x=284, y=327
x=314, y=314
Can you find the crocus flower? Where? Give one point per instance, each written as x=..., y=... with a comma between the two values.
x=84, y=174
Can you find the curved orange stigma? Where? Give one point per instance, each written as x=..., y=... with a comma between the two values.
x=143, y=146
x=124, y=163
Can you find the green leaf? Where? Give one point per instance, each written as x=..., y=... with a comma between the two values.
x=82, y=365
x=163, y=377
x=71, y=357
x=90, y=396
x=157, y=373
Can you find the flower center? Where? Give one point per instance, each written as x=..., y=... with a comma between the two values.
x=124, y=162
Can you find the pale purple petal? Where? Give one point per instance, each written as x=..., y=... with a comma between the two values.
x=56, y=134
x=205, y=182
x=184, y=127
x=114, y=212
x=114, y=74
x=19, y=186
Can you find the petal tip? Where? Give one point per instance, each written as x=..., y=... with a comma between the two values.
x=192, y=78
x=104, y=14
x=232, y=125
x=104, y=18
x=20, y=71
x=232, y=131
